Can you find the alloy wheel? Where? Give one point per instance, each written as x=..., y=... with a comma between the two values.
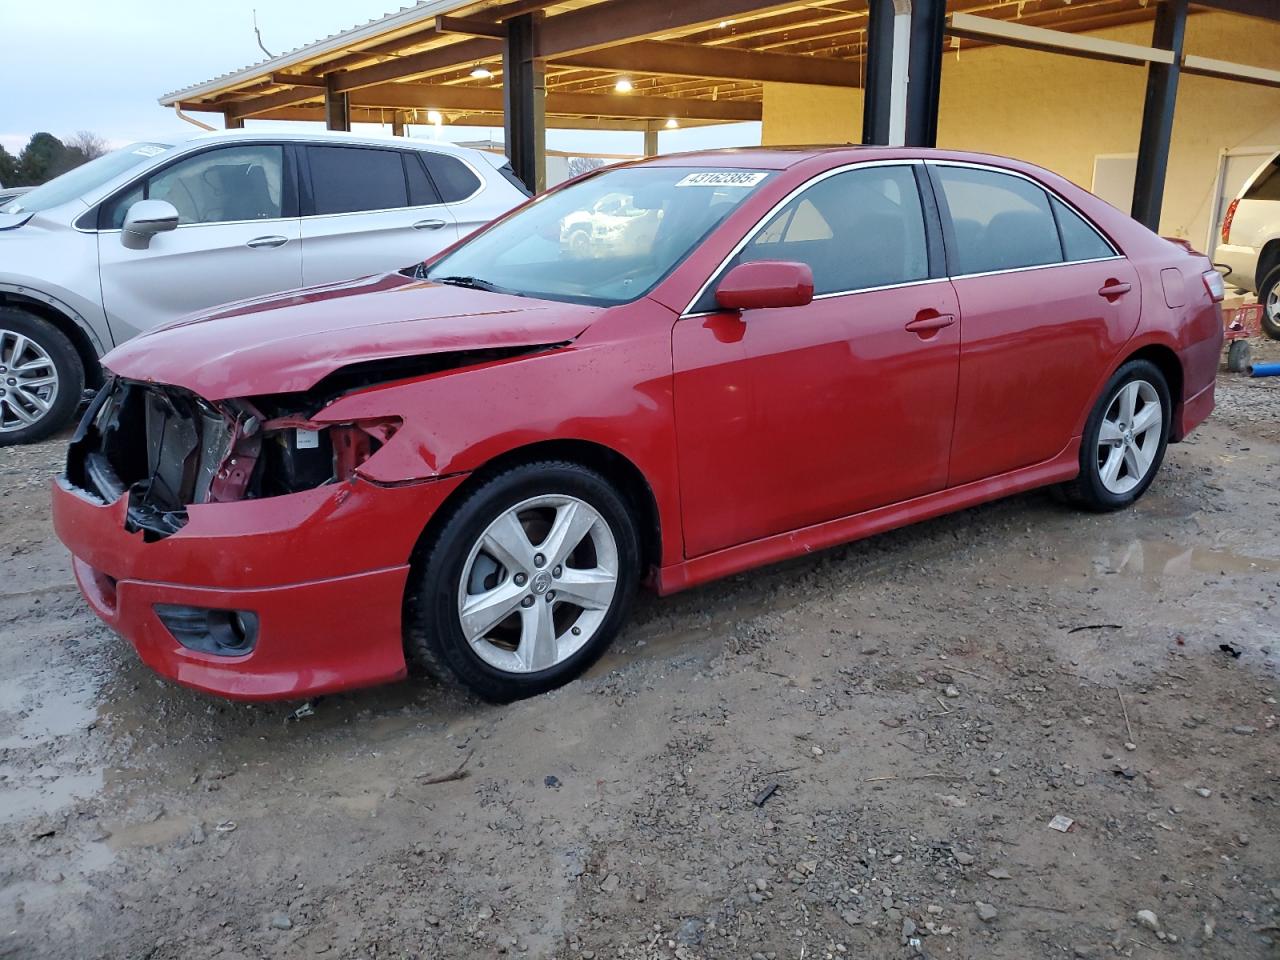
x=538, y=583
x=28, y=381
x=1129, y=436
x=1272, y=306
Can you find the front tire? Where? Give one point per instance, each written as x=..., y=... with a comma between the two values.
x=527, y=582
x=1124, y=439
x=41, y=378
x=1269, y=297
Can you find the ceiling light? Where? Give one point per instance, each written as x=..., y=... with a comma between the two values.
x=481, y=72
x=725, y=23
x=435, y=117
x=673, y=123
x=623, y=85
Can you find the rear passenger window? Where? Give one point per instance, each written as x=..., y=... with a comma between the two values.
x=453, y=178
x=855, y=230
x=422, y=191
x=1079, y=240
x=348, y=179
x=999, y=221
x=1266, y=185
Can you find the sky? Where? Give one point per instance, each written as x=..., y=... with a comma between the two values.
x=115, y=58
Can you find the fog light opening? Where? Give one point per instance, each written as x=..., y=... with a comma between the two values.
x=223, y=633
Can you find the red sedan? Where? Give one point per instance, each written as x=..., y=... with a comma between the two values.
x=662, y=373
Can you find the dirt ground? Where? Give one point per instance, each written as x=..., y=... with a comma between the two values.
x=925, y=703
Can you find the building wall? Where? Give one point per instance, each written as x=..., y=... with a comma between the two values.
x=797, y=113
x=1061, y=112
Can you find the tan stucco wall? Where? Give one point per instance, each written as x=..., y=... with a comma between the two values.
x=798, y=113
x=1062, y=111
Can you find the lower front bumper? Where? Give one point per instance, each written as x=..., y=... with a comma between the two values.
x=313, y=638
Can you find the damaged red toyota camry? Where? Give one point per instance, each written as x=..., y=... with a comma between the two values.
x=663, y=373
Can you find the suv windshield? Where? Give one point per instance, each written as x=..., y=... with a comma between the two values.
x=604, y=240
x=86, y=177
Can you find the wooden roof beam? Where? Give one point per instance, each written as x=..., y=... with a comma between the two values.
x=714, y=63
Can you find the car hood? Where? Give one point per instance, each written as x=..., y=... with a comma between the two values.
x=288, y=342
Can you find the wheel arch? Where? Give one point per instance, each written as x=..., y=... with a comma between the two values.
x=1268, y=259
x=626, y=477
x=65, y=324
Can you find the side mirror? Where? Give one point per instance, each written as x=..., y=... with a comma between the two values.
x=766, y=283
x=144, y=220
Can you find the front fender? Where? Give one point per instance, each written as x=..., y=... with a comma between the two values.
x=88, y=317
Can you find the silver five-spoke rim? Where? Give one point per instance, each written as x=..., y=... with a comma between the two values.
x=1130, y=436
x=538, y=584
x=28, y=381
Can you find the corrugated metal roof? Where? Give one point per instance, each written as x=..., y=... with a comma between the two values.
x=334, y=43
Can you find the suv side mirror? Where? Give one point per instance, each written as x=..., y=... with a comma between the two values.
x=146, y=218
x=766, y=283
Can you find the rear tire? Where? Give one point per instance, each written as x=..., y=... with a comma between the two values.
x=492, y=599
x=1124, y=439
x=1269, y=297
x=41, y=378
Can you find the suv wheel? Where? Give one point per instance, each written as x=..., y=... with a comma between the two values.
x=41, y=378
x=526, y=583
x=1269, y=297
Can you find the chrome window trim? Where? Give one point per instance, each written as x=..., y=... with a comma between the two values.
x=484, y=183
x=870, y=164
x=760, y=225
x=846, y=293
x=1036, y=266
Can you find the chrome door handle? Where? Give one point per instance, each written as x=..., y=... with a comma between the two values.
x=430, y=224
x=257, y=242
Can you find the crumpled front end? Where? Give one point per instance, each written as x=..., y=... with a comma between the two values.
x=235, y=543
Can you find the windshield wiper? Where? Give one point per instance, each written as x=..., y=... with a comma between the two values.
x=473, y=283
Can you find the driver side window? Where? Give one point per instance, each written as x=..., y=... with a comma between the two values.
x=217, y=186
x=856, y=230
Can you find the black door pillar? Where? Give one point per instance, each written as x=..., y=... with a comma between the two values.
x=337, y=110
x=877, y=94
x=928, y=25
x=524, y=92
x=1157, y=113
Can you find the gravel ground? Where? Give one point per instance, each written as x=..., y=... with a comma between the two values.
x=857, y=754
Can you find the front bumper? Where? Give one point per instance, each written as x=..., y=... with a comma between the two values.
x=324, y=570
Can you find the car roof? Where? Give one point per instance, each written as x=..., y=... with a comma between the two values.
x=328, y=136
x=785, y=157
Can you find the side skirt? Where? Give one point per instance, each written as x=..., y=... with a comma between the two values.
x=820, y=536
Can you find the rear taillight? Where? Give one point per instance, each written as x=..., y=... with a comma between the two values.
x=1226, y=221
x=1213, y=283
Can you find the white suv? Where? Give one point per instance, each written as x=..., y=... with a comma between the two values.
x=1251, y=242
x=151, y=232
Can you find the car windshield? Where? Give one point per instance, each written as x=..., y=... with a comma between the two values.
x=605, y=240
x=88, y=176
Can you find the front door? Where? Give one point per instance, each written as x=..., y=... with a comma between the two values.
x=1045, y=304
x=237, y=237
x=790, y=417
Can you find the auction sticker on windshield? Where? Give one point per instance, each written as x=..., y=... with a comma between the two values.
x=722, y=178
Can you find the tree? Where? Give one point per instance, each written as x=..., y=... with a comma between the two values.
x=90, y=145
x=45, y=157
x=580, y=165
x=8, y=168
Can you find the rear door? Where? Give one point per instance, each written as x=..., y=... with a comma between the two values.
x=237, y=237
x=368, y=210
x=472, y=201
x=1046, y=302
